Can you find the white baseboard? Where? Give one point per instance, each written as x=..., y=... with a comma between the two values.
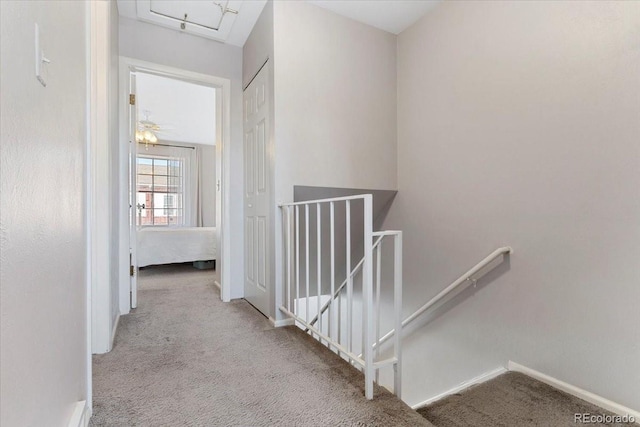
x=80, y=416
x=281, y=322
x=113, y=331
x=462, y=386
x=575, y=391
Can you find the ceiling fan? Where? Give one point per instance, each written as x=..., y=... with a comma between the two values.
x=146, y=131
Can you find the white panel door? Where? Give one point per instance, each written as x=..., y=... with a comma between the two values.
x=256, y=191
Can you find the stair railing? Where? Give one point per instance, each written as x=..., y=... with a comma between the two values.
x=459, y=285
x=353, y=273
x=339, y=331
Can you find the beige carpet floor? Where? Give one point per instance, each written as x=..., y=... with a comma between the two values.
x=184, y=358
x=512, y=399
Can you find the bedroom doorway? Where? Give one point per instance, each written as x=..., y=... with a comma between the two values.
x=174, y=129
x=174, y=187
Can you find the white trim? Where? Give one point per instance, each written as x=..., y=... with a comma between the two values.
x=224, y=86
x=462, y=386
x=593, y=398
x=99, y=200
x=90, y=36
x=282, y=322
x=114, y=329
x=123, y=212
x=81, y=415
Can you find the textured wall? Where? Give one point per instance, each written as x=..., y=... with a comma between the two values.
x=518, y=124
x=42, y=253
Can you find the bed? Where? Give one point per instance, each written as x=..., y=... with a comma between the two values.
x=166, y=245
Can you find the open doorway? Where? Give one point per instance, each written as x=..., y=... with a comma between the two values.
x=175, y=175
x=175, y=126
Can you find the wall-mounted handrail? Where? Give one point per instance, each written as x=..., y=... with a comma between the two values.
x=465, y=278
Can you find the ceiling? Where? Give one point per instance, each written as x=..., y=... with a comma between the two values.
x=393, y=16
x=184, y=111
x=205, y=18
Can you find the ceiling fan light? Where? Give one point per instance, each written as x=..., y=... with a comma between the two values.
x=139, y=136
x=153, y=138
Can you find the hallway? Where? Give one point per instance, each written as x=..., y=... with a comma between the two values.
x=185, y=358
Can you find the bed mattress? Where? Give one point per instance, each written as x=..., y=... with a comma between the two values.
x=160, y=245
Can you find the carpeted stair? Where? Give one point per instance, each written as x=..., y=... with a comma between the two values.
x=512, y=399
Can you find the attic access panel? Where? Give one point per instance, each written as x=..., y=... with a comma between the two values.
x=207, y=18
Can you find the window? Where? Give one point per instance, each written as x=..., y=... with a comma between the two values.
x=160, y=192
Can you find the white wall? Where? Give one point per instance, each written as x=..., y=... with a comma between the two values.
x=335, y=104
x=518, y=124
x=259, y=46
x=42, y=222
x=184, y=111
x=172, y=48
x=335, y=101
x=103, y=167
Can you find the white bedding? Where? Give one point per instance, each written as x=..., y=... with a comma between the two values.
x=160, y=245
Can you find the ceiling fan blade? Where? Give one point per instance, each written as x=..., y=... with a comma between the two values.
x=149, y=125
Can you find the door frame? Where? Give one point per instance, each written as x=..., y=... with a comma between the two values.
x=223, y=101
